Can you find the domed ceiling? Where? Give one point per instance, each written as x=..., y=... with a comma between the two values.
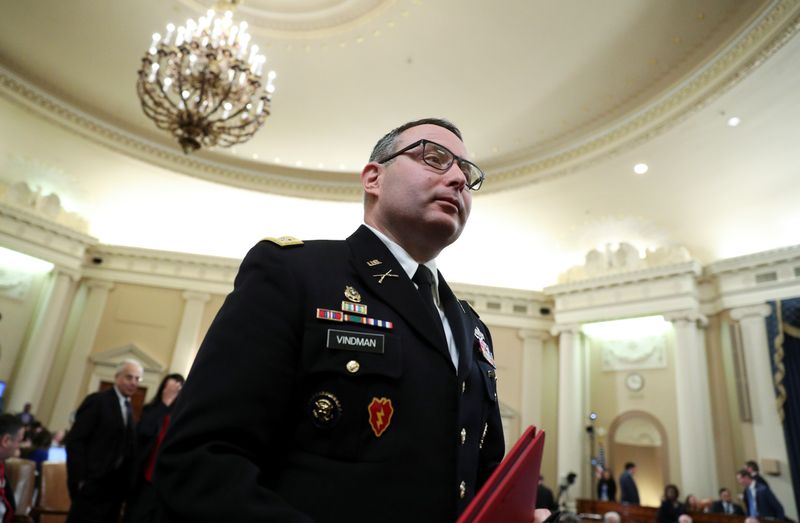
x=556, y=100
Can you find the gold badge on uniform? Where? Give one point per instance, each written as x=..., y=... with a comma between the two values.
x=351, y=294
x=380, y=415
x=325, y=409
x=387, y=274
x=373, y=263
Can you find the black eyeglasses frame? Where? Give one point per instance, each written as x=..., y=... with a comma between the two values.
x=462, y=163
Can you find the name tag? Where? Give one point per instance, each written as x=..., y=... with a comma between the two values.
x=355, y=341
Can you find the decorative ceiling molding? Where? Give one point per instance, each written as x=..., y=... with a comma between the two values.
x=306, y=19
x=34, y=235
x=334, y=186
x=776, y=25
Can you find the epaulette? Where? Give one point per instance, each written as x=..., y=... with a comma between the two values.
x=284, y=241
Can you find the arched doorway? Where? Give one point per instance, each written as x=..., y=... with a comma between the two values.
x=638, y=437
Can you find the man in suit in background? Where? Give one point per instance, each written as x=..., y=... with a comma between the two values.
x=11, y=432
x=629, y=493
x=725, y=504
x=759, y=501
x=100, y=450
x=343, y=380
x=752, y=468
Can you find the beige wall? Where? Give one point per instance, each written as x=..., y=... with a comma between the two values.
x=147, y=317
x=610, y=398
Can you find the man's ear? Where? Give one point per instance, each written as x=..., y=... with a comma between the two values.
x=370, y=178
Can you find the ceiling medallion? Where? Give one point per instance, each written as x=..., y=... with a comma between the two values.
x=203, y=84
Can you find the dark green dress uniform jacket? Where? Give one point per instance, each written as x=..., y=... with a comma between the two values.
x=286, y=417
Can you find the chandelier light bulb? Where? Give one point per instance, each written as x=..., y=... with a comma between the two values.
x=207, y=87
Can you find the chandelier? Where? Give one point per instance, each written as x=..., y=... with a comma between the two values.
x=201, y=83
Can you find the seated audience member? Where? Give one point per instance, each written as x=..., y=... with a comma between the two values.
x=612, y=517
x=11, y=431
x=684, y=518
x=40, y=447
x=671, y=509
x=751, y=520
x=725, y=504
x=544, y=497
x=606, y=486
x=692, y=504
x=150, y=433
x=759, y=501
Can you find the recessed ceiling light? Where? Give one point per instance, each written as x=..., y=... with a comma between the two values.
x=277, y=159
x=640, y=168
x=255, y=156
x=733, y=121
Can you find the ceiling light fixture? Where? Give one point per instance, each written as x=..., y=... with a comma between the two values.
x=203, y=84
x=733, y=121
x=640, y=168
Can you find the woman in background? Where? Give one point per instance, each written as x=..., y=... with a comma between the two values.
x=150, y=432
x=671, y=509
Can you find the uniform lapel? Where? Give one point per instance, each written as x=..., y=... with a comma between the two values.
x=460, y=323
x=399, y=292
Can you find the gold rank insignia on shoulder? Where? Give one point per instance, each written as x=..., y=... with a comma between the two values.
x=284, y=241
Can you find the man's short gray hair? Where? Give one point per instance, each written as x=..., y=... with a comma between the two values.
x=124, y=363
x=612, y=517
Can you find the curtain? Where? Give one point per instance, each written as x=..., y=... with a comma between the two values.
x=783, y=329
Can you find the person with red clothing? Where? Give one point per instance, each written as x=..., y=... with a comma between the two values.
x=150, y=433
x=11, y=432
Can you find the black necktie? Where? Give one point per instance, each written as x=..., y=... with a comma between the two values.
x=424, y=280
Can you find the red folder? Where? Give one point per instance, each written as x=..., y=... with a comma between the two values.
x=509, y=495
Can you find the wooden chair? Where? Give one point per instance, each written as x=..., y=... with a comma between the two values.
x=53, y=505
x=22, y=477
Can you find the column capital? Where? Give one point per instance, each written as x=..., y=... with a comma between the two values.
x=525, y=334
x=72, y=274
x=689, y=316
x=762, y=310
x=565, y=328
x=99, y=284
x=202, y=297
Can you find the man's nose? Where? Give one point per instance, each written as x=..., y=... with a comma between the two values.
x=455, y=176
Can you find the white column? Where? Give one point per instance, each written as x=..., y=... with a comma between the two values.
x=532, y=361
x=34, y=369
x=186, y=342
x=69, y=394
x=695, y=431
x=570, y=405
x=767, y=428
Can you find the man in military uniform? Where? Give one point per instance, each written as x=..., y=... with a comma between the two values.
x=343, y=380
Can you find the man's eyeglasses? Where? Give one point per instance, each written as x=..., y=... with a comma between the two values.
x=440, y=158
